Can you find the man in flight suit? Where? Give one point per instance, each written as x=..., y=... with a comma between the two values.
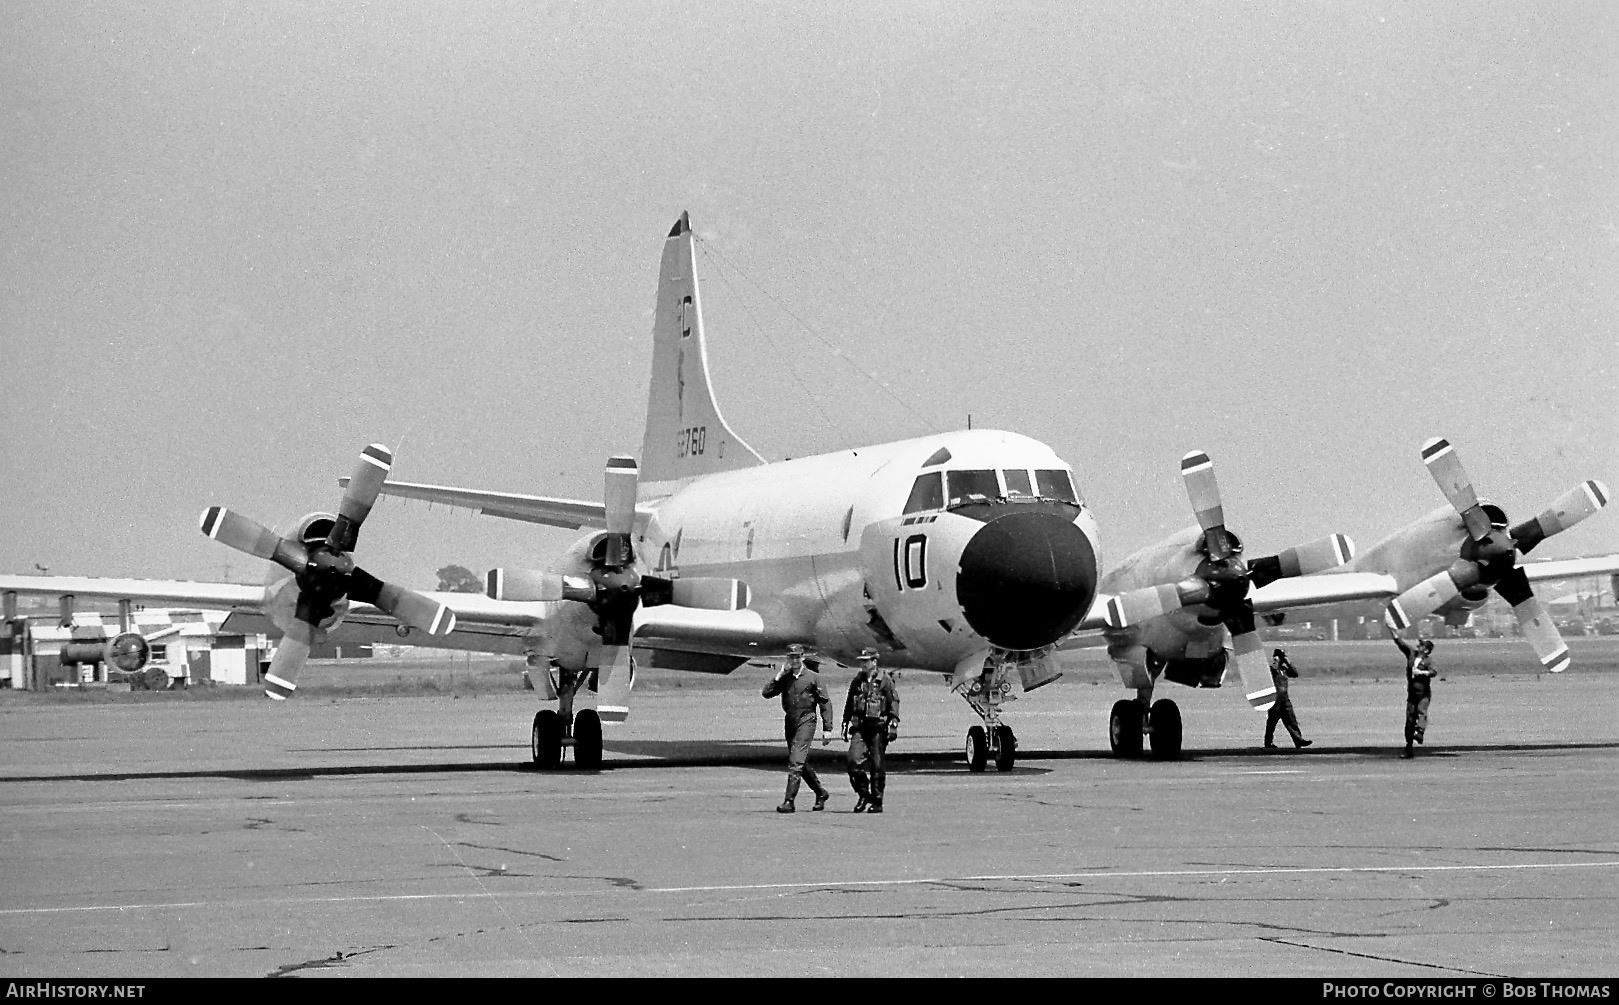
x=870, y=722
x=1419, y=674
x=1282, y=711
x=802, y=693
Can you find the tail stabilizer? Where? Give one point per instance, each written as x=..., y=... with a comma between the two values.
x=685, y=434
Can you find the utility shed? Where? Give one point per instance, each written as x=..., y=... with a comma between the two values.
x=189, y=645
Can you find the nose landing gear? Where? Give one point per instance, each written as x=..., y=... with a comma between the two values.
x=986, y=693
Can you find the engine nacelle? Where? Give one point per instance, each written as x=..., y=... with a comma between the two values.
x=128, y=652
x=1207, y=671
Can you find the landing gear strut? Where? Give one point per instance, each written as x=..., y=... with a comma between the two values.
x=555, y=731
x=986, y=694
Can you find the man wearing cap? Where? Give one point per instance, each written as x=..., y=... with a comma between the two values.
x=870, y=721
x=799, y=684
x=1282, y=710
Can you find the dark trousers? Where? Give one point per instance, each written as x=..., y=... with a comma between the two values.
x=1418, y=692
x=1282, y=712
x=867, y=743
x=799, y=738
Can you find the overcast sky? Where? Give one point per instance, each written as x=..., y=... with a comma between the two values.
x=240, y=241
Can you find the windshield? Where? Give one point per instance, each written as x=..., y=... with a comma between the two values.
x=1055, y=484
x=1017, y=482
x=973, y=486
x=926, y=494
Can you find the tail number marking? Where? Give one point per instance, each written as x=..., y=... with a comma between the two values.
x=691, y=441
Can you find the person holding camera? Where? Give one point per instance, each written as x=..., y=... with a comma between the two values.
x=1280, y=672
x=802, y=694
x=1419, y=674
x=870, y=723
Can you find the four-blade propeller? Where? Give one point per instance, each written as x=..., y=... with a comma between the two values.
x=1488, y=559
x=614, y=589
x=1223, y=579
x=324, y=576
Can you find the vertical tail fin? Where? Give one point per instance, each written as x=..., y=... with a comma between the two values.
x=685, y=434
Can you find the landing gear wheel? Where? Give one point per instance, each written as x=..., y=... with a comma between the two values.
x=1124, y=728
x=1166, y=730
x=977, y=749
x=1006, y=754
x=587, y=740
x=546, y=740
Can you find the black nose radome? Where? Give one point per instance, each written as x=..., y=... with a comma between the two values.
x=1026, y=579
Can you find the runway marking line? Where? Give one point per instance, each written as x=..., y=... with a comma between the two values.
x=738, y=887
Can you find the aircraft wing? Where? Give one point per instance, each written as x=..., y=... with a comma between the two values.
x=1571, y=568
x=1328, y=588
x=571, y=514
x=176, y=593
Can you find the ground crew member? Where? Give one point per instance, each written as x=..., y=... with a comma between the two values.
x=1282, y=711
x=1419, y=674
x=802, y=693
x=870, y=722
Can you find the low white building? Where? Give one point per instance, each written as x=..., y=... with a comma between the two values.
x=188, y=645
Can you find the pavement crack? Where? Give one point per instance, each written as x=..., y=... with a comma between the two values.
x=1379, y=957
x=466, y=818
x=511, y=851
x=338, y=959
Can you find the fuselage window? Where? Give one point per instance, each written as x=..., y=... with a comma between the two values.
x=916, y=561
x=1055, y=484
x=1017, y=482
x=973, y=486
x=926, y=494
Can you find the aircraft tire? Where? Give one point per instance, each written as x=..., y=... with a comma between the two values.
x=1124, y=728
x=545, y=742
x=587, y=740
x=977, y=749
x=1006, y=755
x=1166, y=730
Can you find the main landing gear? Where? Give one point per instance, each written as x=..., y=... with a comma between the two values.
x=1135, y=722
x=555, y=731
x=993, y=740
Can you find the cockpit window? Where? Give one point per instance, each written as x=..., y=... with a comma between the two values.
x=1017, y=482
x=926, y=494
x=1055, y=484
x=973, y=486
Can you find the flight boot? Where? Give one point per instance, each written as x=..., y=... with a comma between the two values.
x=820, y=800
x=792, y=794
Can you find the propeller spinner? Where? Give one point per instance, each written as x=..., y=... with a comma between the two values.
x=324, y=575
x=1223, y=580
x=1488, y=559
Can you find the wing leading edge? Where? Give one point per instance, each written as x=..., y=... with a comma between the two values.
x=570, y=514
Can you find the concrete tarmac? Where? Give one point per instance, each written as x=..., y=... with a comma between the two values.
x=407, y=836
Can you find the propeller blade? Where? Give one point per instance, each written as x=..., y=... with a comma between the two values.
x=1537, y=625
x=1197, y=471
x=1570, y=508
x=1305, y=560
x=1446, y=469
x=1132, y=607
x=1431, y=594
x=290, y=654
x=614, y=678
x=359, y=495
x=248, y=535
x=407, y=606
x=622, y=474
x=1247, y=651
x=521, y=584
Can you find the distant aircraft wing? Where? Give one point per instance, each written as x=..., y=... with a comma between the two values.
x=1571, y=568
x=571, y=514
x=177, y=593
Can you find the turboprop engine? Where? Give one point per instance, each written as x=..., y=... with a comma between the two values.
x=128, y=652
x=314, y=599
